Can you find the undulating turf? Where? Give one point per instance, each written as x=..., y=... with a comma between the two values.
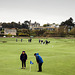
x=58, y=56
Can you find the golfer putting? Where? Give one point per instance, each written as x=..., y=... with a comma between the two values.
x=39, y=61
x=23, y=58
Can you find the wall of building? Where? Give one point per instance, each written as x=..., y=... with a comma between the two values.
x=10, y=31
x=41, y=28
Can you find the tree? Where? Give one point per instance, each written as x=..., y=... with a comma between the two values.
x=22, y=32
x=45, y=25
x=61, y=31
x=68, y=22
x=67, y=25
x=72, y=32
x=25, y=24
x=16, y=25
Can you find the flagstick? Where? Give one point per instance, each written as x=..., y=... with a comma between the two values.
x=36, y=68
x=30, y=67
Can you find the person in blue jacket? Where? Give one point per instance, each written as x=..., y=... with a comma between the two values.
x=39, y=61
x=23, y=58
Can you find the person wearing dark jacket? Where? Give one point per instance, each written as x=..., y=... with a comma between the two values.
x=39, y=40
x=39, y=61
x=47, y=42
x=21, y=40
x=23, y=58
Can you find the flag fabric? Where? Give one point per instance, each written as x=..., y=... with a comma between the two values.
x=31, y=62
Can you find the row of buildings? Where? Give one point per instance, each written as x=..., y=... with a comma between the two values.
x=32, y=26
x=35, y=26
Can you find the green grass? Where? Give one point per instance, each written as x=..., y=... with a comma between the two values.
x=58, y=56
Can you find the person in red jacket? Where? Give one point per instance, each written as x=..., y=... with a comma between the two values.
x=23, y=58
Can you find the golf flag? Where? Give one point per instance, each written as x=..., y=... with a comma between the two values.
x=30, y=65
x=31, y=62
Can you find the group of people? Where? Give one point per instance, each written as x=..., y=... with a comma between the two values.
x=39, y=60
x=29, y=40
x=40, y=41
x=44, y=42
x=17, y=40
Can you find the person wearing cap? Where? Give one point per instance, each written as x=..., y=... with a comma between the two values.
x=39, y=61
x=23, y=58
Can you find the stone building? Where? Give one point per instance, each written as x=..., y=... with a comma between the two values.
x=32, y=25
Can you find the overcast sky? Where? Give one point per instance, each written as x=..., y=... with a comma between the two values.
x=42, y=11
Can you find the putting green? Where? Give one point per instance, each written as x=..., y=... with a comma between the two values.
x=58, y=56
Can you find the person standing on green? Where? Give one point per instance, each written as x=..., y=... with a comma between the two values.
x=23, y=58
